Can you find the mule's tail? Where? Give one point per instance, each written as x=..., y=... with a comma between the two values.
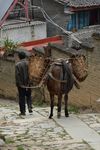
x=67, y=75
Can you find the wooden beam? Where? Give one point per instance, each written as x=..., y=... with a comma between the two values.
x=24, y=5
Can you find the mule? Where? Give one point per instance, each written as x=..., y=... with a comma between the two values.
x=61, y=78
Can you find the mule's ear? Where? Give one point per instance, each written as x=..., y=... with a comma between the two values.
x=84, y=57
x=77, y=55
x=73, y=56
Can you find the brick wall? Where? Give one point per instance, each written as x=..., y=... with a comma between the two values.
x=7, y=79
x=85, y=97
x=7, y=83
x=90, y=88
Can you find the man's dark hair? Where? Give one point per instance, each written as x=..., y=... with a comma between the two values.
x=21, y=55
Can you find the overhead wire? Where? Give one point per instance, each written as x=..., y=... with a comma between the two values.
x=48, y=18
x=51, y=21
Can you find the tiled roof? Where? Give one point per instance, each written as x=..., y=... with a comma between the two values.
x=81, y=3
x=19, y=24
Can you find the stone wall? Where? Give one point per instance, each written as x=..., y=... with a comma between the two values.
x=86, y=32
x=84, y=36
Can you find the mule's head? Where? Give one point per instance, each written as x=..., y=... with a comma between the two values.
x=79, y=67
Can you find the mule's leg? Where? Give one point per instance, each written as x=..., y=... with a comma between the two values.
x=51, y=104
x=66, y=105
x=59, y=106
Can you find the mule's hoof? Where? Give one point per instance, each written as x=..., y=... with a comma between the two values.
x=58, y=115
x=50, y=117
x=66, y=115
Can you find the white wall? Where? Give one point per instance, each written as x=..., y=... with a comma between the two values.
x=18, y=34
x=24, y=32
x=40, y=31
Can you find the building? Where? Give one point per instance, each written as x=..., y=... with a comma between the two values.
x=70, y=15
x=83, y=13
x=7, y=7
x=15, y=23
x=21, y=31
x=56, y=15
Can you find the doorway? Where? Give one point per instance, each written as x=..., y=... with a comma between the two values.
x=93, y=20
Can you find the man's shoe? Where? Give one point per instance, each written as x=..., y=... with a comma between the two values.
x=22, y=114
x=30, y=111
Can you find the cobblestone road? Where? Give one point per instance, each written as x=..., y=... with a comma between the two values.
x=37, y=132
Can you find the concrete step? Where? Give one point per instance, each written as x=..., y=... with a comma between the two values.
x=78, y=130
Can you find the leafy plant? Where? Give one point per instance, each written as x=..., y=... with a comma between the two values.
x=9, y=46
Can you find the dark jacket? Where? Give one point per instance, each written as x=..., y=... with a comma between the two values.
x=21, y=73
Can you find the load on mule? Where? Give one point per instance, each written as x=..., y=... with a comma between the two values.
x=59, y=76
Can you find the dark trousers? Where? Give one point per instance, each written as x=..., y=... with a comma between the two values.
x=24, y=97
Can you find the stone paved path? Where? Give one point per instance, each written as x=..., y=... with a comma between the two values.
x=37, y=132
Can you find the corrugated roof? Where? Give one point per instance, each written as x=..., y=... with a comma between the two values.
x=81, y=3
x=4, y=6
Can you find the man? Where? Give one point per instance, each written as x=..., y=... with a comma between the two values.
x=22, y=81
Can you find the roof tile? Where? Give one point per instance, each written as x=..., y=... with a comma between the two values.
x=81, y=3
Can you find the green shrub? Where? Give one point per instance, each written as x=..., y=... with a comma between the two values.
x=9, y=46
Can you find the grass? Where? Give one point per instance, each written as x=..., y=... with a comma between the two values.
x=39, y=103
x=73, y=109
x=20, y=147
x=2, y=136
x=8, y=141
x=88, y=144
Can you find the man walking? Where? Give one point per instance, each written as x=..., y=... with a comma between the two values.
x=22, y=81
